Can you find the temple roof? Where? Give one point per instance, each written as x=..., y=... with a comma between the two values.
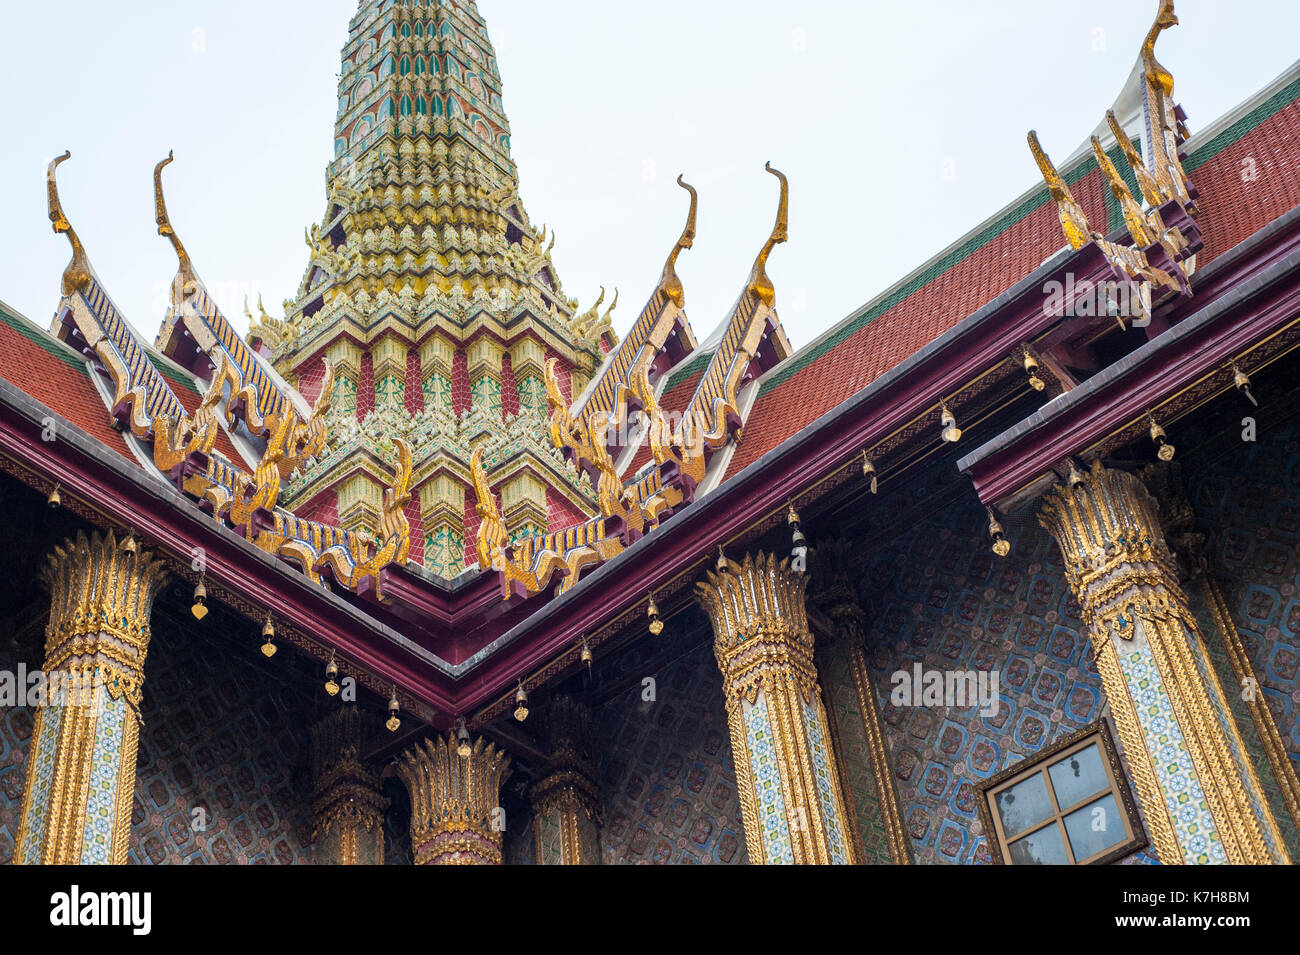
x=745, y=402
x=1009, y=245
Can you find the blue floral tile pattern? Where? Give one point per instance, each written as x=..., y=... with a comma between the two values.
x=767, y=785
x=101, y=802
x=44, y=752
x=1193, y=824
x=825, y=788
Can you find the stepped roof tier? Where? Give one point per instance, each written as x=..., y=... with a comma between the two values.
x=431, y=296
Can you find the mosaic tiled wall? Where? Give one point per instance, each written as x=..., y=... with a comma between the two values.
x=225, y=733
x=221, y=734
x=862, y=789
x=16, y=724
x=668, y=785
x=948, y=603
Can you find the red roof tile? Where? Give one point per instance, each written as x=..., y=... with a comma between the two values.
x=56, y=376
x=1265, y=142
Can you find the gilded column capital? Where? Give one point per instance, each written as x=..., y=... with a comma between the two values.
x=346, y=800
x=102, y=590
x=760, y=626
x=456, y=817
x=835, y=571
x=76, y=804
x=1116, y=558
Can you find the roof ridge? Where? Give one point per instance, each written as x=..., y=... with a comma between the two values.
x=1228, y=128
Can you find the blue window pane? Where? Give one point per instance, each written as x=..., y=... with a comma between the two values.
x=1024, y=805
x=1079, y=776
x=1043, y=847
x=1095, y=828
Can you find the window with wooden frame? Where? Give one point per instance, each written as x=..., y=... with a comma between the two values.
x=1068, y=805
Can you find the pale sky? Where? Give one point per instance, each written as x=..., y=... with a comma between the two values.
x=900, y=125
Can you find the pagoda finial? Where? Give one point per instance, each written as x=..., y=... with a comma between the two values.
x=76, y=277
x=759, y=283
x=669, y=283
x=185, y=272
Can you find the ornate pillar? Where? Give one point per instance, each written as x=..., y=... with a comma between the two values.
x=442, y=508
x=1177, y=519
x=874, y=812
x=437, y=355
x=566, y=807
x=528, y=361
x=346, y=801
x=523, y=505
x=484, y=359
x=388, y=356
x=792, y=801
x=1199, y=793
x=456, y=815
x=345, y=356
x=76, y=806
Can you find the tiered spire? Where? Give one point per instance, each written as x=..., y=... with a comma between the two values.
x=430, y=292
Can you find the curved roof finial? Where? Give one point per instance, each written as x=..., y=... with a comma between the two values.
x=186, y=271
x=1155, y=73
x=669, y=283
x=759, y=283
x=76, y=277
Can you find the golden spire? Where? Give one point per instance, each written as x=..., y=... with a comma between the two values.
x=759, y=283
x=1073, y=221
x=185, y=271
x=669, y=283
x=1151, y=191
x=76, y=277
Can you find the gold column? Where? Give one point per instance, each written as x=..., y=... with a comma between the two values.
x=566, y=807
x=792, y=801
x=456, y=816
x=1164, y=696
x=346, y=801
x=854, y=713
x=76, y=805
x=1177, y=519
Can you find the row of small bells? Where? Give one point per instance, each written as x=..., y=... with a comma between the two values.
x=950, y=433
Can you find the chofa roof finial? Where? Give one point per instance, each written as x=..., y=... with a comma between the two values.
x=669, y=283
x=76, y=277
x=759, y=283
x=185, y=272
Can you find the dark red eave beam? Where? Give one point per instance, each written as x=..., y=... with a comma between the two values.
x=1261, y=302
x=178, y=527
x=977, y=343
